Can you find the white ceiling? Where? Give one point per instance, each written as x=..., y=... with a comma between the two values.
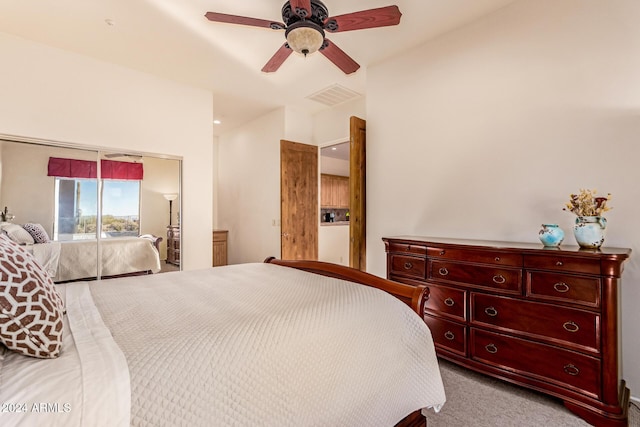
x=337, y=151
x=173, y=39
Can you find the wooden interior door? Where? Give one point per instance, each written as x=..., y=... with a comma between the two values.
x=299, y=210
x=357, y=195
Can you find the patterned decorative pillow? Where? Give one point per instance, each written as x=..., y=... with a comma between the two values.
x=30, y=308
x=38, y=232
x=17, y=233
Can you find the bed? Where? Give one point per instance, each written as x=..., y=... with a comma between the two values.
x=77, y=259
x=70, y=260
x=276, y=343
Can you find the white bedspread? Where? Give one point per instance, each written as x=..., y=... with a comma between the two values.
x=267, y=345
x=77, y=259
x=259, y=344
x=47, y=255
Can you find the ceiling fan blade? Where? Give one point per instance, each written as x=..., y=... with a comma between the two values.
x=243, y=20
x=276, y=60
x=372, y=18
x=338, y=57
x=302, y=8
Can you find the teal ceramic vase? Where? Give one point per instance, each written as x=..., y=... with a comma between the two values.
x=551, y=235
x=589, y=231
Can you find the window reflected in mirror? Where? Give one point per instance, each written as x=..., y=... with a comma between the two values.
x=76, y=208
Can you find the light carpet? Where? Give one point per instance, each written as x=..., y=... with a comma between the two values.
x=481, y=401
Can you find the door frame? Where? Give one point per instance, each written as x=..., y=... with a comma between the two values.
x=357, y=194
x=357, y=228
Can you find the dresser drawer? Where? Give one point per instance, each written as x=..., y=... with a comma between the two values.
x=564, y=288
x=544, y=362
x=470, y=255
x=447, y=301
x=407, y=248
x=503, y=279
x=562, y=263
x=408, y=266
x=574, y=328
x=449, y=336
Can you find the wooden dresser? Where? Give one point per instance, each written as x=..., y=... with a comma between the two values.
x=547, y=319
x=173, y=244
x=219, y=248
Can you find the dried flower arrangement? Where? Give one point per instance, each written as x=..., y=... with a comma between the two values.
x=586, y=203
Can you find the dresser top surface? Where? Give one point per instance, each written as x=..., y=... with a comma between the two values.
x=521, y=246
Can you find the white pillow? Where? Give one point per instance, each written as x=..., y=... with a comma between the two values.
x=17, y=233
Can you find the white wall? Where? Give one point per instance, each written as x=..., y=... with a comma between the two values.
x=332, y=125
x=52, y=94
x=249, y=182
x=249, y=188
x=333, y=244
x=484, y=133
x=332, y=166
x=298, y=126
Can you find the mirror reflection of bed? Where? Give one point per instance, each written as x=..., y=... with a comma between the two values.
x=55, y=205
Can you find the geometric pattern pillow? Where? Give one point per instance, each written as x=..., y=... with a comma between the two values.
x=31, y=309
x=38, y=232
x=17, y=233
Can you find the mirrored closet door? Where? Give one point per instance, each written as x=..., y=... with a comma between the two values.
x=88, y=214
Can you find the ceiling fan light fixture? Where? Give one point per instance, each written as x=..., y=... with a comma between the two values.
x=304, y=37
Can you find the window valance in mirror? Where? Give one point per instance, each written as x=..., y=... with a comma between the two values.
x=110, y=169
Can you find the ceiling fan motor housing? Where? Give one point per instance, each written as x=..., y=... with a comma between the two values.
x=319, y=14
x=304, y=33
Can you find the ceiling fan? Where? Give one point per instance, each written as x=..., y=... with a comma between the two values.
x=305, y=23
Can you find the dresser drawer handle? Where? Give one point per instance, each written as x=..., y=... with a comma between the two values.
x=571, y=327
x=449, y=302
x=571, y=369
x=559, y=263
x=497, y=258
x=491, y=311
x=442, y=253
x=408, y=266
x=499, y=279
x=443, y=271
x=449, y=335
x=561, y=287
x=491, y=348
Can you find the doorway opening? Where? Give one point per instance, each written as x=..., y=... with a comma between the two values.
x=334, y=203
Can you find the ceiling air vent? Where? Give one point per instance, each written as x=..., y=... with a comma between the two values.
x=333, y=95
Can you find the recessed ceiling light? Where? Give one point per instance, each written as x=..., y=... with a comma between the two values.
x=110, y=22
x=217, y=122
